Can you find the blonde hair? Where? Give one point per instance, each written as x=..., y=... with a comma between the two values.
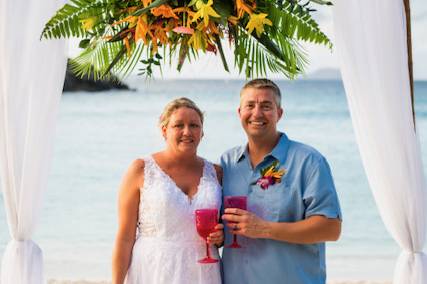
x=264, y=84
x=176, y=104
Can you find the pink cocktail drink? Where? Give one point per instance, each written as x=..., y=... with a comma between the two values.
x=235, y=202
x=206, y=220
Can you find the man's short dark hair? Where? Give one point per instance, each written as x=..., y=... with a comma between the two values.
x=263, y=83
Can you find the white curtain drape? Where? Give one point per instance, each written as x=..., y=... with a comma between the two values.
x=31, y=79
x=371, y=43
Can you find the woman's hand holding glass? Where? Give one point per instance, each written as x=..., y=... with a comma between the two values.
x=206, y=222
x=217, y=237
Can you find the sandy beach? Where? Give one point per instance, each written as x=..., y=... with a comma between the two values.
x=106, y=282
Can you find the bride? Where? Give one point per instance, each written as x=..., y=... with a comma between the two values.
x=157, y=200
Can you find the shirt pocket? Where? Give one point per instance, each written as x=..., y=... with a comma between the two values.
x=269, y=203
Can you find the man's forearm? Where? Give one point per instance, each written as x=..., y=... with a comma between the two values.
x=314, y=229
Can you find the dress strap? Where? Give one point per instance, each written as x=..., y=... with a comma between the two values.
x=149, y=171
x=210, y=170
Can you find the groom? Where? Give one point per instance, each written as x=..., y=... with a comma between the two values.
x=293, y=207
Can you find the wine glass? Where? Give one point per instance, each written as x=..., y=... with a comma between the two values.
x=206, y=220
x=235, y=202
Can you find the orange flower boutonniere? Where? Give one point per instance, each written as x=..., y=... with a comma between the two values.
x=270, y=175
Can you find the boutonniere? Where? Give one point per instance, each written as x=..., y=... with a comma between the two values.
x=270, y=175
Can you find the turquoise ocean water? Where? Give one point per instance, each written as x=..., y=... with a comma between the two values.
x=98, y=135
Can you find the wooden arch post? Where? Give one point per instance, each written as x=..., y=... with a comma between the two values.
x=409, y=46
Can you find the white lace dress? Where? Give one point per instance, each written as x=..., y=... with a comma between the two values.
x=168, y=247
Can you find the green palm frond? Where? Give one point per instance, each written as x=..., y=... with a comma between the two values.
x=257, y=56
x=295, y=21
x=97, y=60
x=126, y=66
x=67, y=20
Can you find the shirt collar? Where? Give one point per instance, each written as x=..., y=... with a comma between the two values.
x=279, y=151
x=242, y=153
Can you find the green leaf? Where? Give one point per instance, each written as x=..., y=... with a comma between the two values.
x=192, y=2
x=221, y=52
x=66, y=22
x=224, y=8
x=271, y=46
x=279, y=55
x=119, y=35
x=295, y=22
x=116, y=60
x=101, y=57
x=127, y=65
x=155, y=4
x=322, y=2
x=84, y=43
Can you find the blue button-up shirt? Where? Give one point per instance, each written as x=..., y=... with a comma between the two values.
x=306, y=189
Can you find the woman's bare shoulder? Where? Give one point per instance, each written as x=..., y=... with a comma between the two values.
x=134, y=176
x=137, y=166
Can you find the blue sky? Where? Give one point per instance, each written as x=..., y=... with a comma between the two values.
x=210, y=66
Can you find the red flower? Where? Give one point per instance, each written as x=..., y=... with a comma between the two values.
x=270, y=175
x=265, y=182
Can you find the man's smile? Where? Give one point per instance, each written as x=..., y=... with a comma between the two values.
x=257, y=123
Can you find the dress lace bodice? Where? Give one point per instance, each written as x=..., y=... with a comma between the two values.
x=168, y=246
x=165, y=211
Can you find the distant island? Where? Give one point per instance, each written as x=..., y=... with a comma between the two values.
x=74, y=83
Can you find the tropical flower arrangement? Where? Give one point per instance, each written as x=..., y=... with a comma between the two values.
x=118, y=35
x=270, y=175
